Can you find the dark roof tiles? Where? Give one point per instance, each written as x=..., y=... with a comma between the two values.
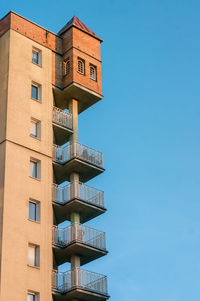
x=78, y=23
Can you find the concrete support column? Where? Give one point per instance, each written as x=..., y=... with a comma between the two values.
x=75, y=268
x=75, y=217
x=73, y=109
x=74, y=178
x=75, y=262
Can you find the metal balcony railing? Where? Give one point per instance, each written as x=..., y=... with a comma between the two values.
x=79, y=278
x=62, y=118
x=77, y=150
x=80, y=233
x=77, y=190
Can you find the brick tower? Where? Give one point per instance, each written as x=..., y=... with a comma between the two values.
x=47, y=80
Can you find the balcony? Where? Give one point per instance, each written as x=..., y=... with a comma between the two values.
x=77, y=197
x=89, y=243
x=62, y=125
x=79, y=284
x=76, y=157
x=86, y=97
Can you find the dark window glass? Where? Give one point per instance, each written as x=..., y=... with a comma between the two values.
x=33, y=169
x=35, y=57
x=32, y=211
x=34, y=92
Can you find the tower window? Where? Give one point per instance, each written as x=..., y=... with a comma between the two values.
x=36, y=91
x=81, y=66
x=93, y=72
x=35, y=169
x=66, y=67
x=34, y=211
x=37, y=56
x=35, y=126
x=33, y=255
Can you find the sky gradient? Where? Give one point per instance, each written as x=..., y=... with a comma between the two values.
x=148, y=127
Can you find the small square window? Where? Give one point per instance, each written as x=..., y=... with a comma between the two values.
x=33, y=296
x=37, y=56
x=36, y=91
x=33, y=255
x=35, y=128
x=34, y=210
x=35, y=168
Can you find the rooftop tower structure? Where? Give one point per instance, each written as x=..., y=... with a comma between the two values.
x=46, y=81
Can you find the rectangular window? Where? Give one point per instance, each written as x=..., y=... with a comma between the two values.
x=34, y=210
x=36, y=91
x=66, y=67
x=35, y=128
x=93, y=72
x=33, y=296
x=37, y=56
x=81, y=66
x=33, y=255
x=35, y=168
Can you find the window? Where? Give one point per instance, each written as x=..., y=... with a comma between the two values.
x=93, y=72
x=35, y=168
x=33, y=255
x=35, y=127
x=36, y=91
x=37, y=56
x=81, y=66
x=32, y=296
x=66, y=67
x=34, y=210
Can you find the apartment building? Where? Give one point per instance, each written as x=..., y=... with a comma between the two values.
x=46, y=81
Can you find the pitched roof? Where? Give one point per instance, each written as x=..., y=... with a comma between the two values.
x=79, y=24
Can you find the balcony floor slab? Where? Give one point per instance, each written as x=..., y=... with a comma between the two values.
x=86, y=97
x=86, y=252
x=86, y=170
x=86, y=210
x=79, y=294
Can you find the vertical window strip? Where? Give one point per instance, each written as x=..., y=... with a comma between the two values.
x=81, y=66
x=93, y=72
x=66, y=67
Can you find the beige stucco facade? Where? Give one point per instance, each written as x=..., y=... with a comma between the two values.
x=16, y=185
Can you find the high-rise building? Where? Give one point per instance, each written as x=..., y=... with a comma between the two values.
x=46, y=81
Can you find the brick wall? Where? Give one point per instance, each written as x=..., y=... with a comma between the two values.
x=73, y=44
x=31, y=31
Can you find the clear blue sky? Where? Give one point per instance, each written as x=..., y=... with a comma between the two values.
x=148, y=127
